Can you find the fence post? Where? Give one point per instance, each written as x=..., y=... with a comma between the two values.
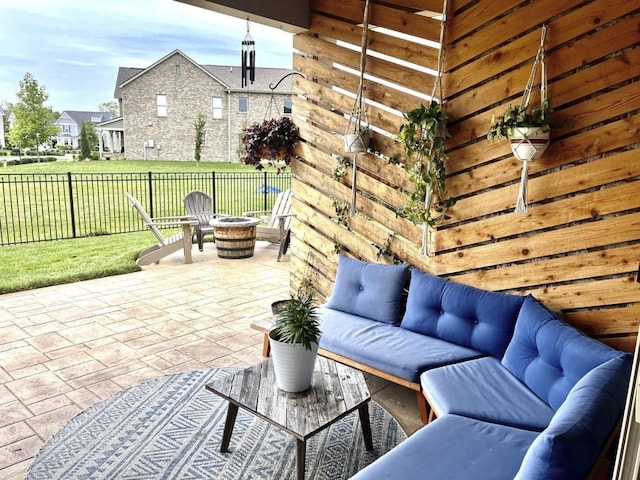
x=213, y=192
x=150, y=184
x=72, y=209
x=264, y=196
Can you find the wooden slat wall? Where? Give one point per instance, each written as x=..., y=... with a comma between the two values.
x=578, y=247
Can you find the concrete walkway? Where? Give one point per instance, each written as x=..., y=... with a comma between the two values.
x=64, y=348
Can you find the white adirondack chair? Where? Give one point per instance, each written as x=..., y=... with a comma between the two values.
x=165, y=245
x=274, y=226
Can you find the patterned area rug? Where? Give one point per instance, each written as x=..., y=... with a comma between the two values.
x=171, y=428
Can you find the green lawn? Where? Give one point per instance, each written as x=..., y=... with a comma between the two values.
x=126, y=166
x=35, y=265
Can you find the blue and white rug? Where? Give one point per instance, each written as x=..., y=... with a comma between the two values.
x=171, y=428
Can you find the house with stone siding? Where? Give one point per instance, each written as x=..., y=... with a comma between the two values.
x=159, y=106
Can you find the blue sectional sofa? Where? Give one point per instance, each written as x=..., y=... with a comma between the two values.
x=517, y=392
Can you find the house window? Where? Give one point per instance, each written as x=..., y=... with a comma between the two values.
x=243, y=104
x=203, y=139
x=287, y=106
x=177, y=69
x=66, y=128
x=217, y=107
x=161, y=105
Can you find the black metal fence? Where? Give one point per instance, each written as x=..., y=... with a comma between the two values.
x=42, y=207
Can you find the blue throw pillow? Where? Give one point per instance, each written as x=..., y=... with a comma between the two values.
x=570, y=445
x=550, y=356
x=461, y=314
x=369, y=290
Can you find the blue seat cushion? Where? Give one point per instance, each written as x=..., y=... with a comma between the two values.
x=483, y=389
x=550, y=356
x=570, y=445
x=454, y=448
x=369, y=290
x=461, y=314
x=386, y=347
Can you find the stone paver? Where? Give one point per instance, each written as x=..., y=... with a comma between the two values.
x=64, y=348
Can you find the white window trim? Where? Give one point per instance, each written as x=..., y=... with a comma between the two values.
x=161, y=106
x=247, y=102
x=217, y=109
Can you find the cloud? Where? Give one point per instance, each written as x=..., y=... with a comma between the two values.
x=75, y=47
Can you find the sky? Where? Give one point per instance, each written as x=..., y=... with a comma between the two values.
x=74, y=47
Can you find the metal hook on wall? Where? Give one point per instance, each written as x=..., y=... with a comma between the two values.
x=272, y=100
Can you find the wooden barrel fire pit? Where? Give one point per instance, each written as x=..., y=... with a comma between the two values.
x=235, y=237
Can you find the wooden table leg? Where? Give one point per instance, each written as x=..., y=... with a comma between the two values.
x=365, y=423
x=229, y=423
x=266, y=346
x=301, y=452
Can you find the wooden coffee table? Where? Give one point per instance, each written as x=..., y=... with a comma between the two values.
x=337, y=390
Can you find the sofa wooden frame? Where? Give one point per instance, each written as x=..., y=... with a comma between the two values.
x=265, y=325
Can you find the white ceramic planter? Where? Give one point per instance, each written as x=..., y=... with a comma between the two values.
x=356, y=142
x=293, y=365
x=528, y=143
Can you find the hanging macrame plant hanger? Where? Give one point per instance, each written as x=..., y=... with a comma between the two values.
x=355, y=139
x=525, y=145
x=427, y=231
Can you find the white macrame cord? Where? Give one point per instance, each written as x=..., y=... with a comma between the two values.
x=523, y=193
x=357, y=111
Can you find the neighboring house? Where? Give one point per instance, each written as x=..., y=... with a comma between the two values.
x=70, y=123
x=3, y=143
x=12, y=120
x=160, y=103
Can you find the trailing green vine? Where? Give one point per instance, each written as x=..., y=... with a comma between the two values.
x=385, y=250
x=342, y=164
x=342, y=212
x=423, y=136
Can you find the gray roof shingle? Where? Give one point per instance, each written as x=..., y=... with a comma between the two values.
x=229, y=76
x=80, y=116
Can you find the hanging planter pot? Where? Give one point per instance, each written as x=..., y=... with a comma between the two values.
x=357, y=142
x=528, y=143
x=526, y=128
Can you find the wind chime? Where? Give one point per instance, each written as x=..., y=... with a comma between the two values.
x=248, y=55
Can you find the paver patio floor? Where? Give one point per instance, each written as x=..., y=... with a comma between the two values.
x=64, y=348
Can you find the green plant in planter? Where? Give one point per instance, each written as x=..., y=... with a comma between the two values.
x=515, y=116
x=272, y=141
x=298, y=322
x=423, y=136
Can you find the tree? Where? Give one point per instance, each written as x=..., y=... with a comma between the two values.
x=88, y=139
x=199, y=124
x=110, y=106
x=34, y=122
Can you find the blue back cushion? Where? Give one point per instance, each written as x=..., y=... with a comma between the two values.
x=461, y=314
x=570, y=445
x=550, y=356
x=369, y=290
